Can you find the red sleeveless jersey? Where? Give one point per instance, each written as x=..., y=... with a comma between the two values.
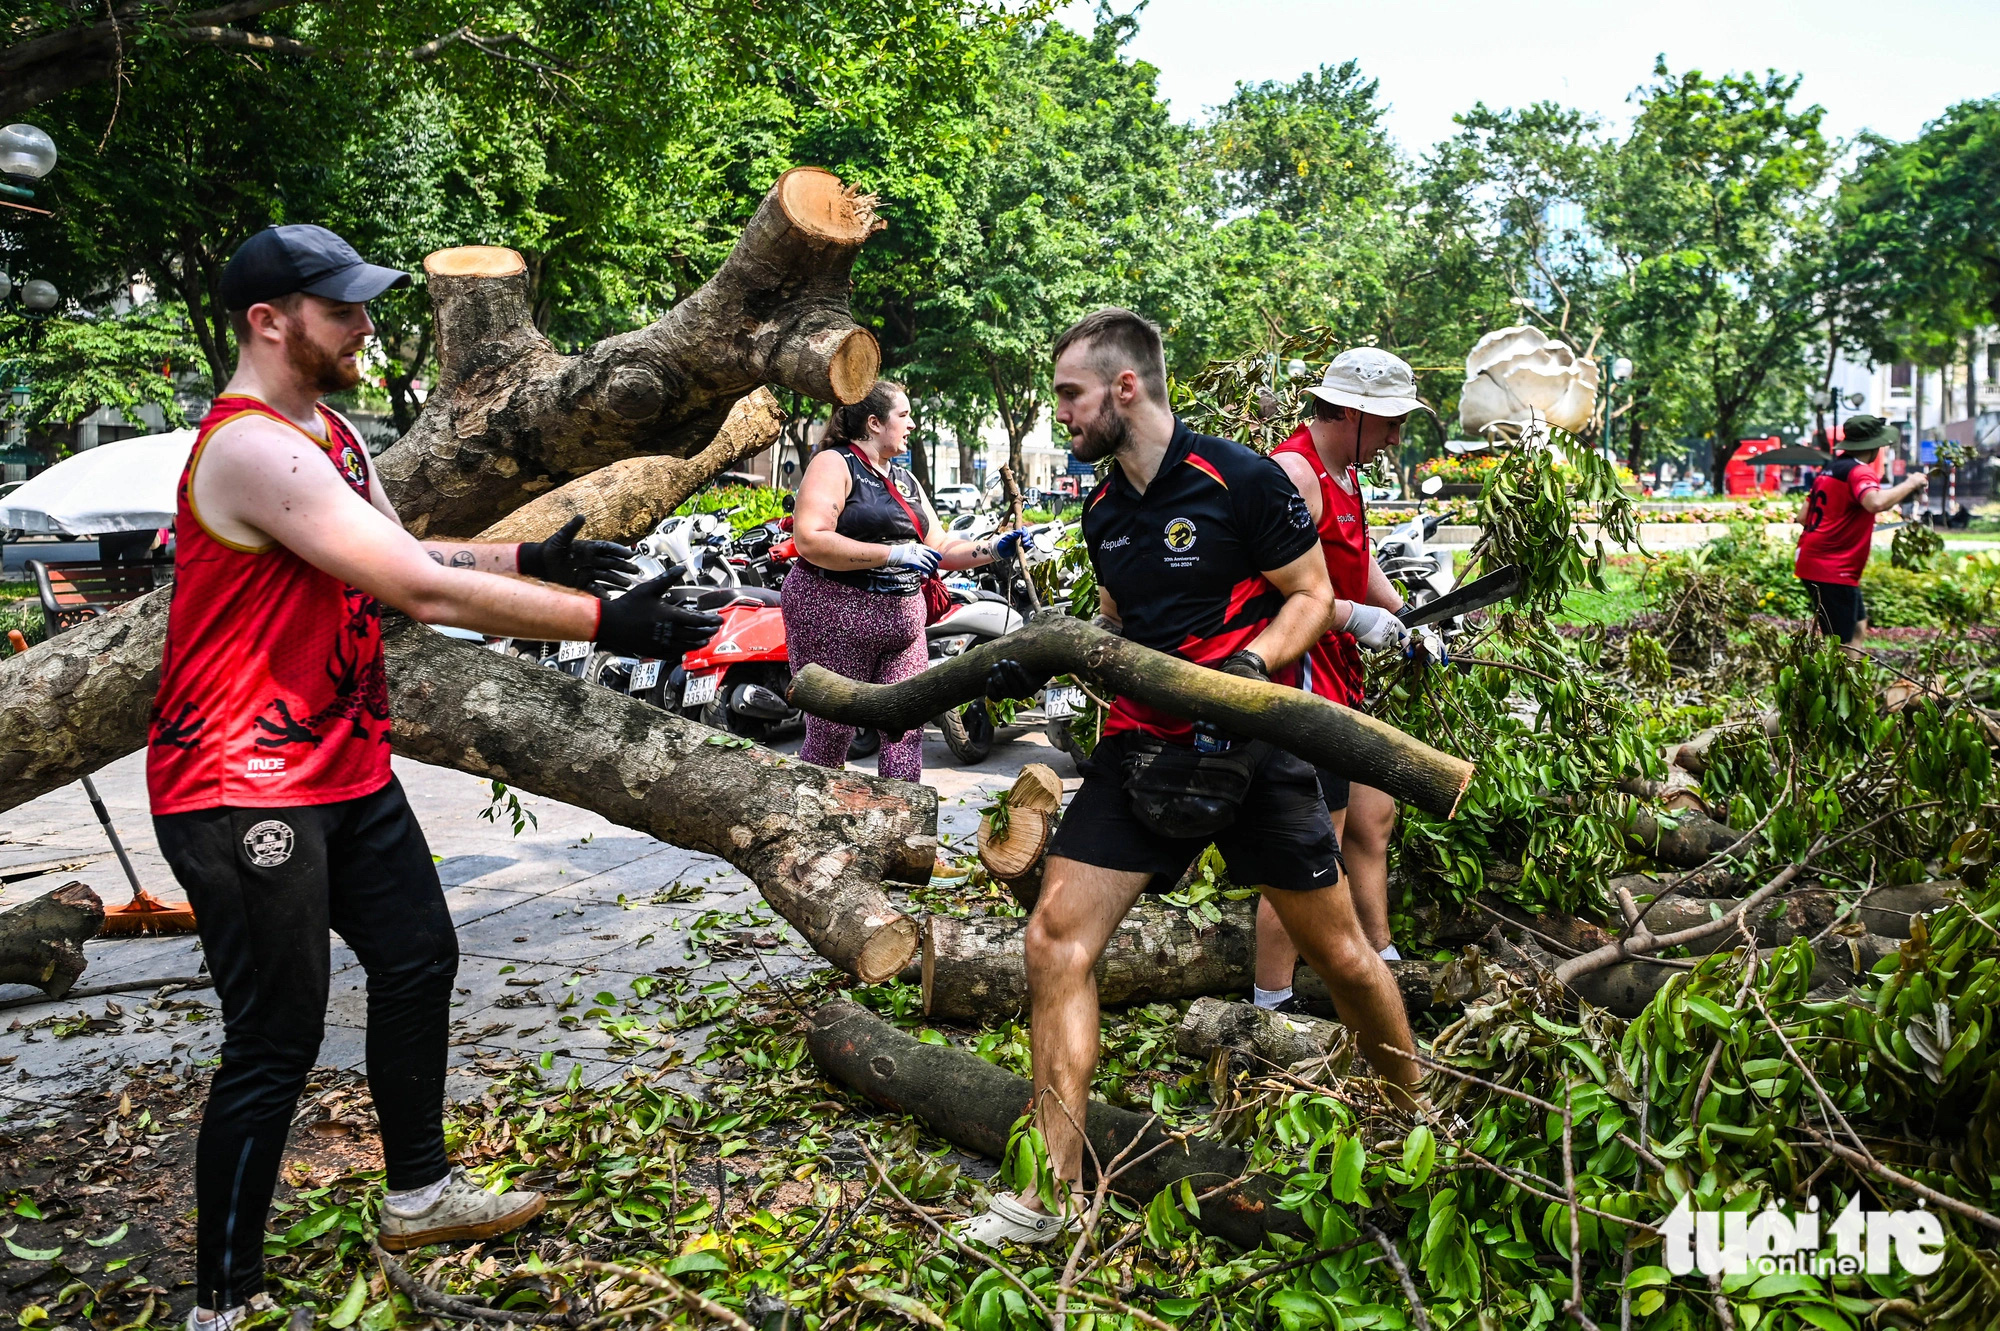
x=272, y=691
x=1332, y=666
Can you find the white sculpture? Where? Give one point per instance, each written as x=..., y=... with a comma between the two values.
x=1515, y=376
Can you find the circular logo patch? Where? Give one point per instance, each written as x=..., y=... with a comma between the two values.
x=268, y=844
x=356, y=469
x=1180, y=536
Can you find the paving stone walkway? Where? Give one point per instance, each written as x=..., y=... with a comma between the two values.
x=574, y=916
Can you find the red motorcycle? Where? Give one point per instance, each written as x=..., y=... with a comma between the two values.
x=737, y=681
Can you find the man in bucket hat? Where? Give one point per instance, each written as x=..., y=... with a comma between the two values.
x=1358, y=411
x=1839, y=525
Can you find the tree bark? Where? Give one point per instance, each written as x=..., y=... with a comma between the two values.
x=973, y=1105
x=41, y=941
x=626, y=500
x=1348, y=742
x=512, y=417
x=975, y=969
x=1281, y=1041
x=817, y=843
x=1692, y=842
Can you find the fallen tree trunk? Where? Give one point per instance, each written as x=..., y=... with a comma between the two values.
x=41, y=941
x=818, y=843
x=975, y=970
x=1692, y=841
x=973, y=1105
x=1281, y=1041
x=626, y=500
x=1344, y=741
x=511, y=416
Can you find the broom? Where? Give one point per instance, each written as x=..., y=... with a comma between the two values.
x=144, y=913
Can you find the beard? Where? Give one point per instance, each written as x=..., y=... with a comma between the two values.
x=326, y=371
x=1103, y=436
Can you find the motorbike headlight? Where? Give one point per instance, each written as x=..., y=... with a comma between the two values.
x=953, y=646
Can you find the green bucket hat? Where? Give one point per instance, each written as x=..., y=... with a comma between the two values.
x=1863, y=434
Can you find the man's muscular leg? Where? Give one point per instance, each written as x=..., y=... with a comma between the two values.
x=1324, y=926
x=1080, y=907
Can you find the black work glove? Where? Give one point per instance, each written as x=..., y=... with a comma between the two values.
x=643, y=623
x=1010, y=679
x=585, y=565
x=1246, y=664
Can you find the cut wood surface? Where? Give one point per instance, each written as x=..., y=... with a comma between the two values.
x=41, y=941
x=512, y=417
x=973, y=1105
x=626, y=500
x=1032, y=805
x=1348, y=742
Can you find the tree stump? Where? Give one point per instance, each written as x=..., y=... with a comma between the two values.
x=41, y=941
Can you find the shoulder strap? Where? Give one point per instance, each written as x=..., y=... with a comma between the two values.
x=895, y=493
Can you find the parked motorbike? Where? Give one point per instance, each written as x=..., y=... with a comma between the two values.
x=981, y=614
x=1426, y=573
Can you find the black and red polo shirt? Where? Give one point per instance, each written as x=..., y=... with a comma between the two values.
x=1185, y=561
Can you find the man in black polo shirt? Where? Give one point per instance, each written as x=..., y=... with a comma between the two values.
x=1203, y=549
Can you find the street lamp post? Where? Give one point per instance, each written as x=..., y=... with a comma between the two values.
x=26, y=155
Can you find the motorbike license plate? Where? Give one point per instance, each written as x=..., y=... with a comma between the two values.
x=1060, y=703
x=572, y=651
x=701, y=689
x=645, y=675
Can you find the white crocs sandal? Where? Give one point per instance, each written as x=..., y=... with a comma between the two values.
x=1007, y=1221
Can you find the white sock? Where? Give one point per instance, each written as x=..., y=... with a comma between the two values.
x=1269, y=998
x=419, y=1199
x=1390, y=953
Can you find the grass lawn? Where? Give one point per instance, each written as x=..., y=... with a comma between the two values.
x=1619, y=601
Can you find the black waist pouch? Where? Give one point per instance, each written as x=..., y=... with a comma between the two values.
x=1180, y=793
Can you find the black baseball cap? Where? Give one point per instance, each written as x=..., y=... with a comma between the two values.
x=282, y=259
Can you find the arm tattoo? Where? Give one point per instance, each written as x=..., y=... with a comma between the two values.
x=437, y=556
x=982, y=549
x=464, y=559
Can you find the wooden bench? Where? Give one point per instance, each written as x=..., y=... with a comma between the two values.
x=72, y=593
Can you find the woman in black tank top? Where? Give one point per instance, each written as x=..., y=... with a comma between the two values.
x=867, y=539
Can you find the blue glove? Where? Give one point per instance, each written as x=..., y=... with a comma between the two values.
x=1010, y=544
x=916, y=555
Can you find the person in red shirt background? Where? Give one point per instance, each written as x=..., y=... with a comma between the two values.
x=1839, y=525
x=1357, y=413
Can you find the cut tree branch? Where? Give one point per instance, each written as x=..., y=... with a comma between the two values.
x=625, y=500
x=512, y=416
x=973, y=1104
x=1350, y=743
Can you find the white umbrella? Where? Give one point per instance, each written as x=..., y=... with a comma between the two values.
x=124, y=486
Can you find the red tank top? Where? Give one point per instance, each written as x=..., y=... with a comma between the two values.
x=272, y=691
x=1332, y=667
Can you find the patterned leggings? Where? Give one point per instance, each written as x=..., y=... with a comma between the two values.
x=863, y=635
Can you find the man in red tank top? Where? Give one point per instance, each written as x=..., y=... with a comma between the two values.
x=268, y=757
x=1357, y=413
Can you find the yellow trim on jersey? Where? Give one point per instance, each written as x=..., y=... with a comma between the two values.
x=194, y=509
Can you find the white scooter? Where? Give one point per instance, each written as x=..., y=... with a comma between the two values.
x=1406, y=556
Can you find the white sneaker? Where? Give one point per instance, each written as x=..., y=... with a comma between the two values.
x=465, y=1211
x=229, y=1318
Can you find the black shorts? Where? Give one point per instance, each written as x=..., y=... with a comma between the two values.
x=1837, y=606
x=1282, y=837
x=1332, y=789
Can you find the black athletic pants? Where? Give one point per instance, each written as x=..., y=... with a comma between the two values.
x=266, y=884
